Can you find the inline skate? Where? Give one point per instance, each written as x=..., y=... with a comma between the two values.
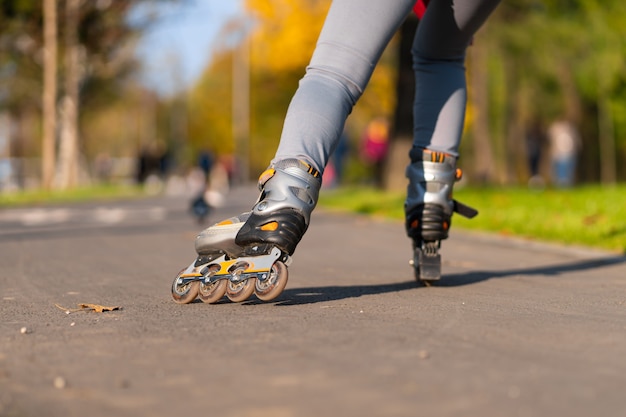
x=249, y=254
x=429, y=208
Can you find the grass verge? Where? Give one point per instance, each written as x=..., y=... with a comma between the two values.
x=100, y=192
x=593, y=216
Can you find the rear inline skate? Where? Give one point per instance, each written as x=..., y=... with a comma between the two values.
x=429, y=207
x=250, y=253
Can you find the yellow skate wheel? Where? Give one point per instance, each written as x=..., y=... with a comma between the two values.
x=184, y=293
x=212, y=293
x=270, y=288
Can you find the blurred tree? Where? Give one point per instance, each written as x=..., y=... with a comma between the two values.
x=49, y=93
x=20, y=74
x=95, y=37
x=210, y=109
x=601, y=71
x=558, y=59
x=285, y=32
x=281, y=36
x=68, y=146
x=401, y=139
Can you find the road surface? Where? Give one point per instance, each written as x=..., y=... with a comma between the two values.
x=515, y=328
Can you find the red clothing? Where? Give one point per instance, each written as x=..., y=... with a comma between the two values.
x=420, y=7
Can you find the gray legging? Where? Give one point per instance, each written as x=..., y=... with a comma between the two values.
x=354, y=36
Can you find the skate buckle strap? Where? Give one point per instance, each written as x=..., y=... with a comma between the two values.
x=437, y=156
x=265, y=176
x=464, y=210
x=432, y=156
x=314, y=172
x=269, y=172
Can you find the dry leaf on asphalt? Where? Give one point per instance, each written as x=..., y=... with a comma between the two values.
x=89, y=307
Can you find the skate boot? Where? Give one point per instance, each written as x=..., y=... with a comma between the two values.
x=429, y=207
x=250, y=253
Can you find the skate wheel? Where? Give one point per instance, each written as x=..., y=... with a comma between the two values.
x=184, y=293
x=427, y=265
x=211, y=293
x=270, y=288
x=421, y=280
x=238, y=291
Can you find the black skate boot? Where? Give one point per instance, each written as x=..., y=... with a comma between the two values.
x=289, y=193
x=429, y=207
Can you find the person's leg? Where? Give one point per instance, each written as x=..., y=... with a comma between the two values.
x=352, y=40
x=354, y=37
x=442, y=38
x=439, y=48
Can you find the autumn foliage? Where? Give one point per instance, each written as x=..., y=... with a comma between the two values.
x=281, y=38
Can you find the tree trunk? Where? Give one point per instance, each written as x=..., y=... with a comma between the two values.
x=516, y=152
x=606, y=136
x=571, y=99
x=241, y=107
x=484, y=162
x=49, y=93
x=401, y=139
x=68, y=149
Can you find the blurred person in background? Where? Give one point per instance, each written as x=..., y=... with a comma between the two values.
x=564, y=146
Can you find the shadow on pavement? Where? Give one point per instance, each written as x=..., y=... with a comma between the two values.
x=466, y=278
x=312, y=295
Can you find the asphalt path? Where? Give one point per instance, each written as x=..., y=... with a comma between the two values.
x=515, y=328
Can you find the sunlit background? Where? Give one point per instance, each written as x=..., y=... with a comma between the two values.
x=137, y=92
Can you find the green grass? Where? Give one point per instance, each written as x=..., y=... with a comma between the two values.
x=100, y=192
x=593, y=216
